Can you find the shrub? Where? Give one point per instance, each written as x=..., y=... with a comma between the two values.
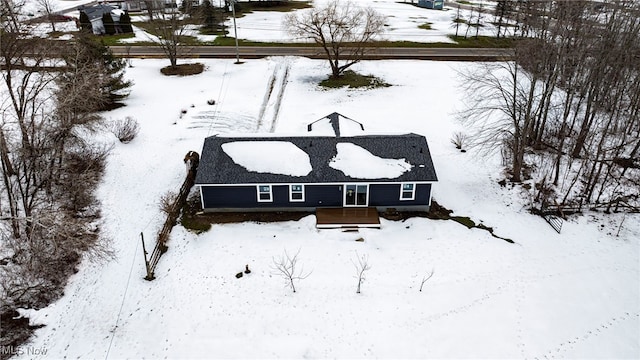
x=167, y=203
x=109, y=26
x=458, y=139
x=85, y=23
x=183, y=69
x=354, y=80
x=125, y=130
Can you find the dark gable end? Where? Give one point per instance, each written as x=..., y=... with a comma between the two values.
x=217, y=168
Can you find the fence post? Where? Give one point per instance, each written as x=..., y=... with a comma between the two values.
x=146, y=262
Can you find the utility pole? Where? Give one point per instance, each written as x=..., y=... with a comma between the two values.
x=235, y=30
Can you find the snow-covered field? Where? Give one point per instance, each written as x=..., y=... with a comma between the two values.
x=403, y=21
x=569, y=295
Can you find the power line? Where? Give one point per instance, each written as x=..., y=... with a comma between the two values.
x=124, y=296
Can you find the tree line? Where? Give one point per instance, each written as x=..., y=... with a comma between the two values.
x=566, y=112
x=49, y=215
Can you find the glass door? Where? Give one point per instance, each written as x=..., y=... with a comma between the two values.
x=356, y=195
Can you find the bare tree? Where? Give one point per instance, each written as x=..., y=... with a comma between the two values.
x=502, y=103
x=151, y=6
x=479, y=18
x=48, y=8
x=362, y=266
x=343, y=29
x=25, y=149
x=458, y=19
x=286, y=267
x=499, y=15
x=468, y=22
x=9, y=15
x=49, y=172
x=169, y=25
x=425, y=279
x=569, y=103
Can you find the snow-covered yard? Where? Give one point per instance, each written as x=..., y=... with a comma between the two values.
x=402, y=22
x=569, y=295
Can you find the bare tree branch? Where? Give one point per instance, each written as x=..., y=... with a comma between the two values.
x=286, y=267
x=362, y=266
x=425, y=279
x=343, y=29
x=48, y=7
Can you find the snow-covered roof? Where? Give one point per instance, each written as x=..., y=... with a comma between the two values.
x=266, y=157
x=359, y=163
x=273, y=160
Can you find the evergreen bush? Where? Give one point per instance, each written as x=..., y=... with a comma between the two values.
x=125, y=23
x=107, y=21
x=85, y=23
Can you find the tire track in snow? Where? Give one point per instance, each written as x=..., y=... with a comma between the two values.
x=267, y=95
x=272, y=101
x=215, y=122
x=283, y=85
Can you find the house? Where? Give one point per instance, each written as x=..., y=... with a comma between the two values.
x=431, y=4
x=264, y=172
x=95, y=15
x=142, y=5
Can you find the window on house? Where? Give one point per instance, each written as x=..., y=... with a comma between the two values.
x=408, y=192
x=296, y=193
x=264, y=193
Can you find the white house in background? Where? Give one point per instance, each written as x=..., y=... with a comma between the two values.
x=140, y=5
x=95, y=14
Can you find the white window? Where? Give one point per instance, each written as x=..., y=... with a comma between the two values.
x=264, y=193
x=408, y=192
x=296, y=193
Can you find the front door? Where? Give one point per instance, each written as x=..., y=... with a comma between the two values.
x=356, y=195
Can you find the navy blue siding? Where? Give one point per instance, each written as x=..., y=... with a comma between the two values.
x=388, y=195
x=247, y=197
x=220, y=197
x=323, y=195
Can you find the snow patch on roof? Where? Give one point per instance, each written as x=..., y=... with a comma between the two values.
x=273, y=157
x=359, y=163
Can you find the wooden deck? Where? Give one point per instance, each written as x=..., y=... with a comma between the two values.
x=356, y=217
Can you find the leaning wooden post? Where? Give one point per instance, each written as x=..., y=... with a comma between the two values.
x=146, y=262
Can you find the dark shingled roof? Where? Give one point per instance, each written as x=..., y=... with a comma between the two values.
x=216, y=167
x=94, y=12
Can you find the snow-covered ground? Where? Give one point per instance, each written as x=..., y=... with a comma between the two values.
x=569, y=295
x=403, y=21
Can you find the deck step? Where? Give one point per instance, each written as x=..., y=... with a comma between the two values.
x=347, y=218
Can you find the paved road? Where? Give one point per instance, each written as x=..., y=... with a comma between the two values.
x=253, y=52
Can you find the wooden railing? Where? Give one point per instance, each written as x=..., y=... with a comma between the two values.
x=191, y=160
